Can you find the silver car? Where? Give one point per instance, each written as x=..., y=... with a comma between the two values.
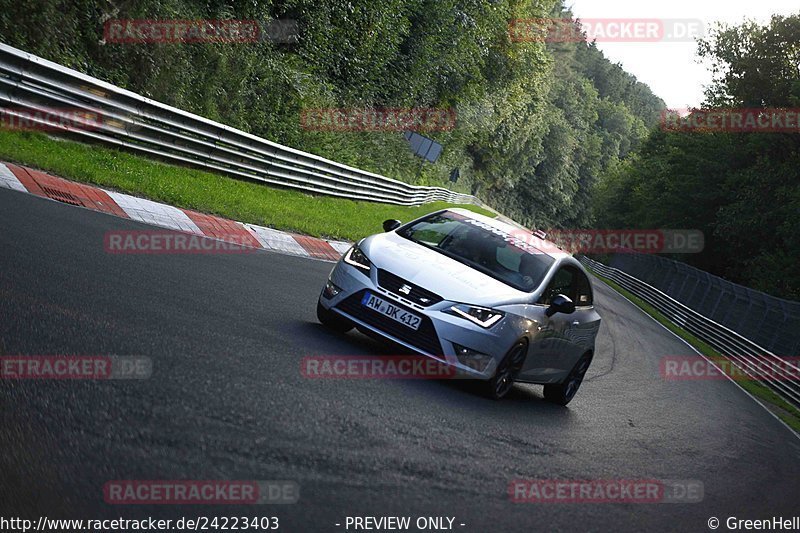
x=495, y=301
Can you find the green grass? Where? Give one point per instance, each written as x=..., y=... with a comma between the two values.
x=784, y=410
x=319, y=216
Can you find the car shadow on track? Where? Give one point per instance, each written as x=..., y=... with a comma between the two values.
x=322, y=341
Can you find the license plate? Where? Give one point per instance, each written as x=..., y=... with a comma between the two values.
x=385, y=308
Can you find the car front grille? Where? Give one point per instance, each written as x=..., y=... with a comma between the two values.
x=415, y=293
x=425, y=338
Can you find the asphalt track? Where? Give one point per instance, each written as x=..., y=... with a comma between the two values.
x=226, y=400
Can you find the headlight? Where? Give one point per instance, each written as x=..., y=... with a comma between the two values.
x=481, y=316
x=356, y=258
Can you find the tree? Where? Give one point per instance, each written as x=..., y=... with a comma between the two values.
x=741, y=189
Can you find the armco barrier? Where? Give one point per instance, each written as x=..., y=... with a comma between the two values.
x=132, y=122
x=767, y=320
x=741, y=351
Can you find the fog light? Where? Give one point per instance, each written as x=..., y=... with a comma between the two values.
x=470, y=358
x=330, y=290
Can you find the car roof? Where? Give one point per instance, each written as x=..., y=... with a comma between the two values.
x=510, y=227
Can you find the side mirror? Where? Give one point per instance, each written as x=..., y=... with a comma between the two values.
x=391, y=225
x=560, y=304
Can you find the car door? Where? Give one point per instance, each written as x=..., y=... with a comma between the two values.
x=563, y=338
x=584, y=322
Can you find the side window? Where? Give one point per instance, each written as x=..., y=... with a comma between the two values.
x=584, y=290
x=561, y=283
x=572, y=283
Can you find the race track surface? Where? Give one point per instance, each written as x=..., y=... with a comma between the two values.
x=226, y=400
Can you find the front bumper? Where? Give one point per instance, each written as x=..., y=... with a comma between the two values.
x=439, y=334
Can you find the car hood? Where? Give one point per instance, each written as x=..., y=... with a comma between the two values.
x=431, y=270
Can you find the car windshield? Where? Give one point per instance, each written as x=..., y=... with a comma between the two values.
x=503, y=256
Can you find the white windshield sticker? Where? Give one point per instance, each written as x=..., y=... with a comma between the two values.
x=514, y=240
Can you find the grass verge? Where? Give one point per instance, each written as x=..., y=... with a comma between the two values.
x=783, y=409
x=319, y=216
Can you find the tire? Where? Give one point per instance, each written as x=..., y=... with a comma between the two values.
x=563, y=393
x=503, y=380
x=333, y=321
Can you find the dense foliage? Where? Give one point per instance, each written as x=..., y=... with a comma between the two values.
x=552, y=134
x=537, y=123
x=741, y=189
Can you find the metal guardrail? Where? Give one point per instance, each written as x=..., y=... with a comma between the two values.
x=133, y=122
x=752, y=359
x=767, y=320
